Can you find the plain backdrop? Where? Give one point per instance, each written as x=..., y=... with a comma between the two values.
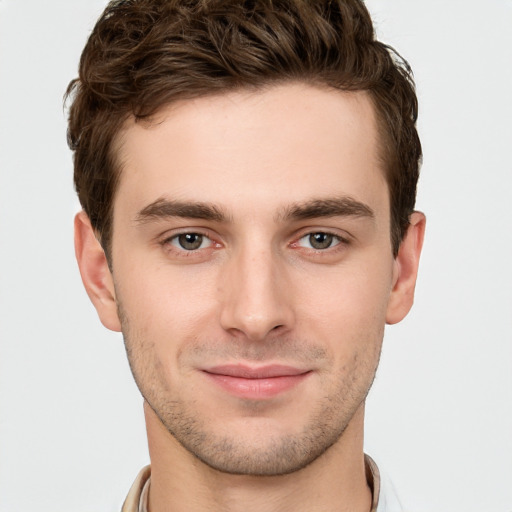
x=439, y=417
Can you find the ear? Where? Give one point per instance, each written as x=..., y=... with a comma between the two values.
x=406, y=270
x=95, y=273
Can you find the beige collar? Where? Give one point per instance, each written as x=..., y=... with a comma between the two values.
x=137, y=499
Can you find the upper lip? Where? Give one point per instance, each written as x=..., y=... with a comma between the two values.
x=255, y=372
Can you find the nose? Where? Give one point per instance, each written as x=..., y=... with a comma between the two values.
x=256, y=298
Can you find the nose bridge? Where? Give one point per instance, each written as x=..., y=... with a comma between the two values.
x=255, y=301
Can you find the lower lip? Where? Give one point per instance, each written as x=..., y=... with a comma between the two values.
x=256, y=389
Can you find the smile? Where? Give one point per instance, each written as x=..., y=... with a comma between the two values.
x=256, y=383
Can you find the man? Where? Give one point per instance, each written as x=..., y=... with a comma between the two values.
x=247, y=172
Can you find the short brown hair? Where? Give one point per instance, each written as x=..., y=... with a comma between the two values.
x=144, y=54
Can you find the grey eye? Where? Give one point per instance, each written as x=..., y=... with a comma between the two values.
x=320, y=240
x=189, y=241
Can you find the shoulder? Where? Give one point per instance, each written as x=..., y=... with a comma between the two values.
x=136, y=495
x=388, y=498
x=385, y=498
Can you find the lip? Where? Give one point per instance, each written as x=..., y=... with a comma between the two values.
x=256, y=382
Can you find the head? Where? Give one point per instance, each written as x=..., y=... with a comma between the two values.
x=247, y=172
x=143, y=55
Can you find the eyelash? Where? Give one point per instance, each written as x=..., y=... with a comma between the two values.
x=341, y=242
x=171, y=243
x=168, y=244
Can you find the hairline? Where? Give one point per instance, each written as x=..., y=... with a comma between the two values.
x=383, y=140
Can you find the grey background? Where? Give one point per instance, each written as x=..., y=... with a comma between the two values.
x=439, y=418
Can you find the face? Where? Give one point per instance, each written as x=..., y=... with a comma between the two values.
x=253, y=271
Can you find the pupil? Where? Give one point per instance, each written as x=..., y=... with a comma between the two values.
x=320, y=240
x=190, y=241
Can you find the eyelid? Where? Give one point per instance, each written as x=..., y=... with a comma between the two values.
x=166, y=238
x=336, y=239
x=175, y=242
x=341, y=235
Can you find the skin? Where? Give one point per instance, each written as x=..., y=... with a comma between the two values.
x=258, y=175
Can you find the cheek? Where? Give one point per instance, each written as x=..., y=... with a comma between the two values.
x=348, y=310
x=166, y=295
x=348, y=294
x=167, y=312
x=158, y=323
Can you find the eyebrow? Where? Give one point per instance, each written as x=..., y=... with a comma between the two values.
x=327, y=207
x=314, y=208
x=165, y=208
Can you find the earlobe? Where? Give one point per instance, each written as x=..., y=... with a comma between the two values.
x=95, y=272
x=406, y=270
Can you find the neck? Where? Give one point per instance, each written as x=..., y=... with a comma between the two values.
x=334, y=482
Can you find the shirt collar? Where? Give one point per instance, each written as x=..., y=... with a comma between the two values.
x=137, y=499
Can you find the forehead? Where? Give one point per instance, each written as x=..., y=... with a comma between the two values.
x=242, y=149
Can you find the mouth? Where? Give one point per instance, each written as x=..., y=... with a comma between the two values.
x=256, y=382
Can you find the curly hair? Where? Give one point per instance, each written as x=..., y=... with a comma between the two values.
x=145, y=54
